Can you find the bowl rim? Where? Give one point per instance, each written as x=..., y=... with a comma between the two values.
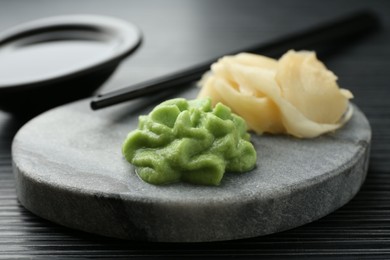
x=127, y=35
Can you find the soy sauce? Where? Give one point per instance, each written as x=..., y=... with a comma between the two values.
x=32, y=62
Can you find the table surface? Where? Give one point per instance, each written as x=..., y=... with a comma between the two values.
x=178, y=34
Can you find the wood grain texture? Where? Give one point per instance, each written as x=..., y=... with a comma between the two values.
x=182, y=33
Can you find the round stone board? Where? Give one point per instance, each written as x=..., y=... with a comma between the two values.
x=69, y=169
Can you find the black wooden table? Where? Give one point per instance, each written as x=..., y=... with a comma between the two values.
x=179, y=34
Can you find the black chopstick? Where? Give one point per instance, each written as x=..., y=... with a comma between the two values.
x=336, y=31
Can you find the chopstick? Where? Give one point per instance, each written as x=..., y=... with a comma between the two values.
x=340, y=30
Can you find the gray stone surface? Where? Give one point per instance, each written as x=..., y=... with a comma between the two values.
x=69, y=169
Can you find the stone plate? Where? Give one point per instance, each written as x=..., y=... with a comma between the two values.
x=69, y=169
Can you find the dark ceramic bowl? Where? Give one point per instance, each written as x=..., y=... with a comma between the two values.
x=56, y=60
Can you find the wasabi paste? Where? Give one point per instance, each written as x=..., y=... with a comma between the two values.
x=189, y=141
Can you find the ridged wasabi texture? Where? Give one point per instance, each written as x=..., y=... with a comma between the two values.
x=189, y=141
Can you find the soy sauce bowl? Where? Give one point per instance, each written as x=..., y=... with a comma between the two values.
x=52, y=61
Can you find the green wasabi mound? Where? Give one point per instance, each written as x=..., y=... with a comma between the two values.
x=189, y=141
